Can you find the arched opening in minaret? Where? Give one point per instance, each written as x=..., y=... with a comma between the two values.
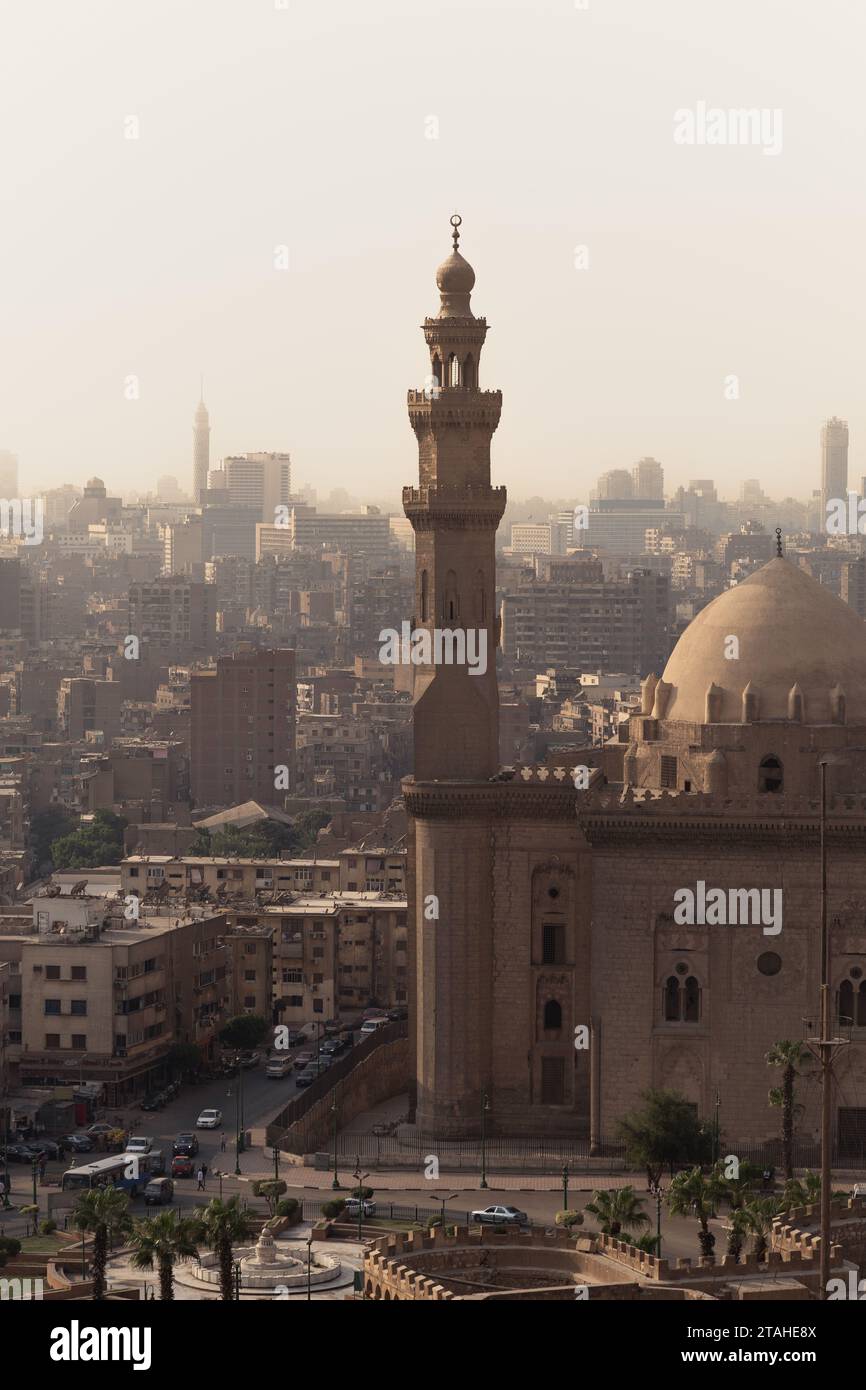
x=480, y=597
x=469, y=371
x=845, y=1004
x=771, y=778
x=552, y=1015
x=450, y=601
x=453, y=370
x=437, y=369
x=423, y=597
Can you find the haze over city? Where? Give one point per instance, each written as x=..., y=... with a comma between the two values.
x=347, y=134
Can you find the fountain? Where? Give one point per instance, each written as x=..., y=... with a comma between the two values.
x=263, y=1266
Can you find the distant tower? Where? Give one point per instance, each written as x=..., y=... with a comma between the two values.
x=200, y=451
x=454, y=514
x=834, y=464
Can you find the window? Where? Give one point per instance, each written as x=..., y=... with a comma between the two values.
x=250, y=950
x=295, y=1001
x=78, y=1007
x=691, y=1001
x=552, y=1014
x=672, y=1000
x=681, y=1000
x=79, y=1042
x=52, y=1006
x=52, y=972
x=552, y=1080
x=668, y=771
x=250, y=975
x=79, y=972
x=770, y=775
x=249, y=1001
x=846, y=1002
x=552, y=943
x=52, y=1040
x=318, y=1006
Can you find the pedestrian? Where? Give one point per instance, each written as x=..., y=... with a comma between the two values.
x=200, y=1178
x=204, y=1170
x=42, y=1167
x=222, y=1141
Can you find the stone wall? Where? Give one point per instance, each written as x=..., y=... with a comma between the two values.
x=384, y=1073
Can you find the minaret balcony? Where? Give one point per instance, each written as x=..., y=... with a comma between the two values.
x=440, y=406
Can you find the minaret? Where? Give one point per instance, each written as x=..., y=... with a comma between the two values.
x=200, y=449
x=454, y=513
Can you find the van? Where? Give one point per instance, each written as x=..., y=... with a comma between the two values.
x=156, y=1159
x=372, y=1025
x=159, y=1192
x=278, y=1066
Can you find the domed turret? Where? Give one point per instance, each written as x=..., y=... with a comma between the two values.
x=455, y=279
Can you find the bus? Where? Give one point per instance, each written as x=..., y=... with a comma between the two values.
x=129, y=1172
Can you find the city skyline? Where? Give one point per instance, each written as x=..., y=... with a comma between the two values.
x=622, y=304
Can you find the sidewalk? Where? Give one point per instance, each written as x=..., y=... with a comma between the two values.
x=399, y=1180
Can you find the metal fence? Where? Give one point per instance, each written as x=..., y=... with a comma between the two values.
x=391, y=1211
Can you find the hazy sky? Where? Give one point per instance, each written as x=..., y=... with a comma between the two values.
x=308, y=126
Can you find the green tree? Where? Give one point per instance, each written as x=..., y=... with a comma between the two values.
x=738, y=1189
x=737, y=1232
x=759, y=1214
x=224, y=1224
x=616, y=1210
x=104, y=1212
x=271, y=1189
x=161, y=1241
x=245, y=1031
x=663, y=1132
x=99, y=842
x=183, y=1057
x=45, y=827
x=694, y=1194
x=790, y=1056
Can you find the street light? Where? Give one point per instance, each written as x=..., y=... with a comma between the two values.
x=565, y=1187
x=309, y=1268
x=335, y=1112
x=658, y=1197
x=359, y=1177
x=485, y=1106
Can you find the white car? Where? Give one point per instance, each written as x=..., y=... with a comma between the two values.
x=353, y=1205
x=209, y=1119
x=139, y=1145
x=501, y=1216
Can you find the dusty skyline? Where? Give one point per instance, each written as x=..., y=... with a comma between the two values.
x=348, y=134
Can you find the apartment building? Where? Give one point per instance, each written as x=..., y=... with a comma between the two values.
x=243, y=727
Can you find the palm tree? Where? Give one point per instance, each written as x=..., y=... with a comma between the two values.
x=104, y=1211
x=737, y=1232
x=618, y=1210
x=693, y=1194
x=224, y=1223
x=162, y=1240
x=759, y=1214
x=790, y=1056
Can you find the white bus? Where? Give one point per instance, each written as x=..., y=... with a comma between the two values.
x=131, y=1172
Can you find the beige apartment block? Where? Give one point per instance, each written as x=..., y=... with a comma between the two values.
x=250, y=950
x=104, y=999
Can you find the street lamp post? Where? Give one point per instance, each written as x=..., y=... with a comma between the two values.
x=485, y=1106
x=334, y=1111
x=309, y=1268
x=659, y=1219
x=359, y=1177
x=276, y=1162
x=565, y=1187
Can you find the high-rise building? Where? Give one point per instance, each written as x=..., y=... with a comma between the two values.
x=174, y=618
x=455, y=513
x=616, y=485
x=259, y=480
x=200, y=451
x=834, y=464
x=648, y=478
x=243, y=728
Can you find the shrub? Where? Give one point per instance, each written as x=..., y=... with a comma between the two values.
x=332, y=1209
x=569, y=1218
x=364, y=1192
x=9, y=1245
x=434, y=1220
x=289, y=1206
x=48, y=1227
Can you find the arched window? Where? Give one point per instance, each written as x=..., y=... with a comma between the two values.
x=437, y=369
x=692, y=1001
x=480, y=597
x=453, y=370
x=552, y=1014
x=672, y=999
x=861, y=1005
x=770, y=775
x=424, y=614
x=846, y=1002
x=469, y=371
x=450, y=601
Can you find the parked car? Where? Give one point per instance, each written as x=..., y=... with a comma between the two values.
x=182, y=1166
x=159, y=1191
x=332, y=1025
x=501, y=1216
x=48, y=1147
x=209, y=1119
x=333, y=1047
x=313, y=1072
x=186, y=1144
x=303, y=1059
x=295, y=1037
x=78, y=1143
x=139, y=1144
x=152, y=1102
x=353, y=1205
x=250, y=1059
x=101, y=1128
x=372, y=1025
x=397, y=1015
x=21, y=1153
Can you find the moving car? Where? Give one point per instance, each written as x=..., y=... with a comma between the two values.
x=334, y=1046
x=159, y=1191
x=312, y=1072
x=250, y=1059
x=182, y=1166
x=140, y=1144
x=186, y=1144
x=279, y=1066
x=353, y=1205
x=372, y=1025
x=501, y=1216
x=209, y=1119
x=303, y=1059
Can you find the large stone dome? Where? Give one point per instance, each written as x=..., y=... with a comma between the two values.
x=802, y=654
